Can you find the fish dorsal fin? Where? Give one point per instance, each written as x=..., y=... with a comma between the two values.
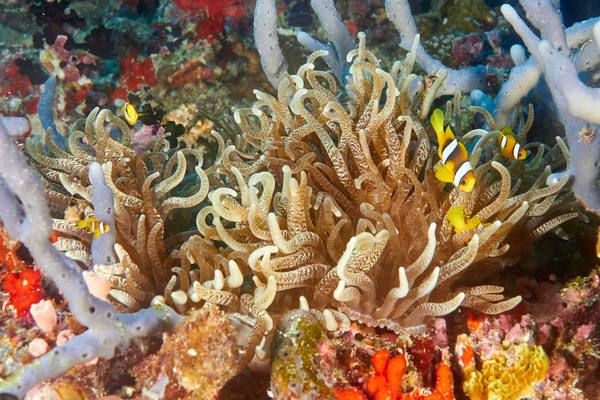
x=437, y=121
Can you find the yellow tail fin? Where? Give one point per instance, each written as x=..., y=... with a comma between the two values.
x=437, y=120
x=456, y=216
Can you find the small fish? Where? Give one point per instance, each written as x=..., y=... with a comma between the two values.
x=454, y=165
x=130, y=113
x=509, y=147
x=456, y=216
x=94, y=225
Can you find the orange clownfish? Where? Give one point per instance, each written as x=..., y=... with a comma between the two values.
x=94, y=225
x=509, y=147
x=130, y=113
x=454, y=165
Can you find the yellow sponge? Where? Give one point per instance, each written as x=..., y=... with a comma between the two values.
x=508, y=375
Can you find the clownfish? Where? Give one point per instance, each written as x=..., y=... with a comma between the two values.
x=94, y=225
x=130, y=113
x=454, y=165
x=509, y=147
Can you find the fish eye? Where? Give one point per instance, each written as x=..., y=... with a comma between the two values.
x=463, y=181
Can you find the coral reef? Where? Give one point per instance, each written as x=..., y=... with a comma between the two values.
x=328, y=237
x=320, y=241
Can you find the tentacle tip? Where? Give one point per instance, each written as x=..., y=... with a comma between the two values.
x=303, y=303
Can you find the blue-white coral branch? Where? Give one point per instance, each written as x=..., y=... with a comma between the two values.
x=104, y=208
x=44, y=109
x=267, y=41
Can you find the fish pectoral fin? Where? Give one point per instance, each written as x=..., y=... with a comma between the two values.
x=443, y=174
